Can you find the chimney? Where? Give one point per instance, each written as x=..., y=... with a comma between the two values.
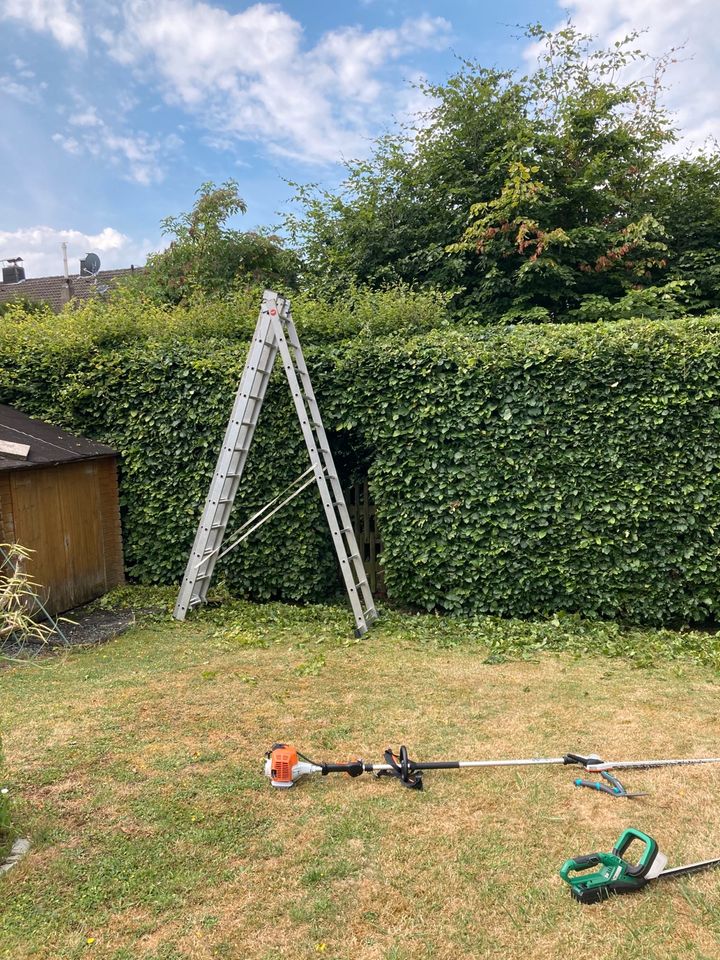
x=13, y=272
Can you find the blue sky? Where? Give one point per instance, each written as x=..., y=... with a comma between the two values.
x=113, y=111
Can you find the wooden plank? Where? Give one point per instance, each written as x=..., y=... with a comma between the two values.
x=111, y=527
x=39, y=527
x=80, y=508
x=7, y=520
x=18, y=451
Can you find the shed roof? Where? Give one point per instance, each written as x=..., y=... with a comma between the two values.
x=48, y=444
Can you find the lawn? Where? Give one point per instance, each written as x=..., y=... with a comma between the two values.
x=136, y=771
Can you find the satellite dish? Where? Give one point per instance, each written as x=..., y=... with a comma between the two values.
x=90, y=265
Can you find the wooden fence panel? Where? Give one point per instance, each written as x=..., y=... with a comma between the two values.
x=363, y=516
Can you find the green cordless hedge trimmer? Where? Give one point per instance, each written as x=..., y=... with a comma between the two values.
x=617, y=875
x=285, y=765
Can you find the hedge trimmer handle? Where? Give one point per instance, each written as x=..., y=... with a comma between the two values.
x=588, y=860
x=615, y=875
x=401, y=766
x=578, y=864
x=646, y=859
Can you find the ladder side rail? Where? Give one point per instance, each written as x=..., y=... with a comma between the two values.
x=346, y=568
x=227, y=478
x=347, y=528
x=244, y=414
x=314, y=408
x=326, y=454
x=241, y=429
x=231, y=459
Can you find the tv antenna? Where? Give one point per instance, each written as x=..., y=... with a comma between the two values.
x=90, y=266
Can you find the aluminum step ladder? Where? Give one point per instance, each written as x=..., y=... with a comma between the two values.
x=275, y=333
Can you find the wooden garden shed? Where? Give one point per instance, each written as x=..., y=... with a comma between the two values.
x=59, y=498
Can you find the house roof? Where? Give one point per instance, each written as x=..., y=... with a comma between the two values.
x=57, y=291
x=48, y=445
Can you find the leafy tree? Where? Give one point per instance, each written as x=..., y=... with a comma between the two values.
x=542, y=197
x=206, y=257
x=396, y=212
x=686, y=199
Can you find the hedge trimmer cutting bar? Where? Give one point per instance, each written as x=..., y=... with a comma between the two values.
x=284, y=765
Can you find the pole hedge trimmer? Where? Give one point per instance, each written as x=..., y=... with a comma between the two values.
x=285, y=765
x=616, y=875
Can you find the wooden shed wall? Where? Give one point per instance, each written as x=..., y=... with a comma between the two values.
x=70, y=516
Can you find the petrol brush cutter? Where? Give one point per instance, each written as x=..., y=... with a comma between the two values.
x=617, y=875
x=285, y=765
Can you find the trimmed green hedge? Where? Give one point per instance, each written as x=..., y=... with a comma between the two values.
x=547, y=469
x=516, y=472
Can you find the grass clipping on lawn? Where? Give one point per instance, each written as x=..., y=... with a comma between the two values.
x=137, y=771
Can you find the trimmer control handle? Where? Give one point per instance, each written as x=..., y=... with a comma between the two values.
x=579, y=864
x=646, y=859
x=584, y=863
x=578, y=760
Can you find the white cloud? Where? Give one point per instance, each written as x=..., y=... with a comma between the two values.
x=139, y=156
x=40, y=248
x=346, y=58
x=694, y=93
x=248, y=74
x=16, y=84
x=22, y=68
x=85, y=118
x=61, y=18
x=20, y=91
x=69, y=144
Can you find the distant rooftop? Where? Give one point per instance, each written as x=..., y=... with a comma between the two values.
x=57, y=291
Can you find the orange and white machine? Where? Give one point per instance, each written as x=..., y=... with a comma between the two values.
x=283, y=766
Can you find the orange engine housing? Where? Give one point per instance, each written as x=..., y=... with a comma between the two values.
x=283, y=758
